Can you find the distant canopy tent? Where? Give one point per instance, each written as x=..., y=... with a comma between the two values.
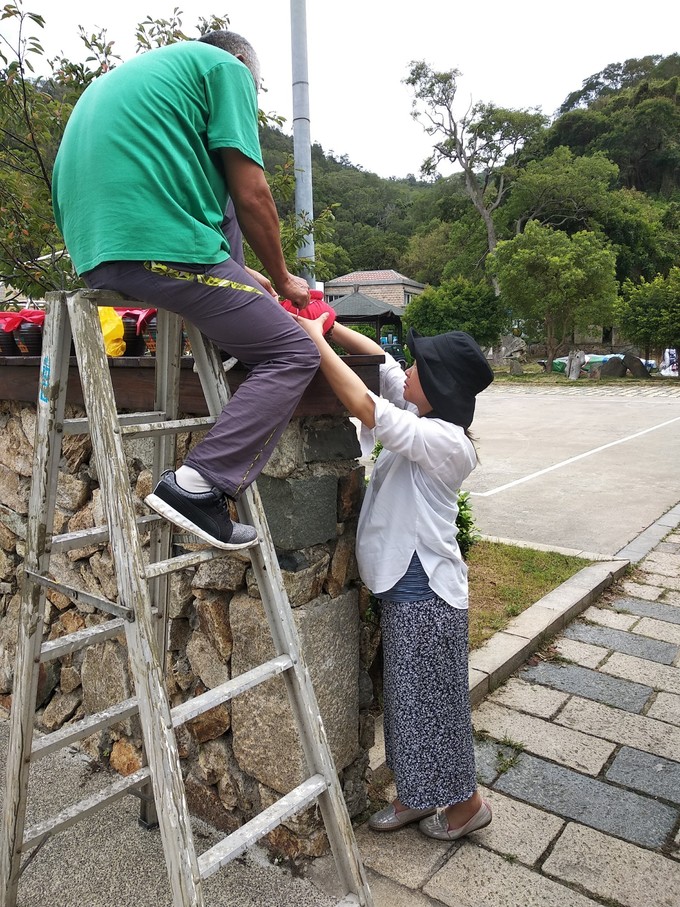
x=359, y=309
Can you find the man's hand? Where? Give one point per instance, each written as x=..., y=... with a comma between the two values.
x=295, y=289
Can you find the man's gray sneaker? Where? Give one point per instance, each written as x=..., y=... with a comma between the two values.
x=205, y=515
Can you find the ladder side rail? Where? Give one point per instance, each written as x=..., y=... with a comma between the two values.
x=263, y=557
x=51, y=406
x=301, y=695
x=304, y=705
x=168, y=360
x=166, y=400
x=160, y=744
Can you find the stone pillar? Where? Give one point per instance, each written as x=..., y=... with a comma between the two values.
x=311, y=490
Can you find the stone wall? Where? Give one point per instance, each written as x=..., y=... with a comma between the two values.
x=239, y=757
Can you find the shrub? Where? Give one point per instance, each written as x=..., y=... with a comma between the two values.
x=467, y=531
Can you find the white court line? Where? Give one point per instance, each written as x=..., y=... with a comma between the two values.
x=588, y=453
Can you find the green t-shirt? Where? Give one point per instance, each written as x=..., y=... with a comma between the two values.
x=138, y=174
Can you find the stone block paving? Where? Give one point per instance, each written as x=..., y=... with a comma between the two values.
x=623, y=641
x=578, y=753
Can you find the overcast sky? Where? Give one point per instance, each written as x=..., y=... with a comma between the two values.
x=530, y=53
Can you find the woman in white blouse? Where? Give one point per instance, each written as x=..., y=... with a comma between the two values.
x=409, y=558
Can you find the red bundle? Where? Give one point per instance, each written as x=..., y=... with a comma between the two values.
x=315, y=308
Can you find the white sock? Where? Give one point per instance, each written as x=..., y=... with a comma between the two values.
x=192, y=481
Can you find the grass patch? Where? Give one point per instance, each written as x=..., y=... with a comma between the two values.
x=505, y=580
x=505, y=762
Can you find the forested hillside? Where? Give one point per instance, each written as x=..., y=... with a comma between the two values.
x=374, y=217
x=620, y=175
x=570, y=223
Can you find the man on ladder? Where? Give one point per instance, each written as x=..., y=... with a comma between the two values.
x=150, y=156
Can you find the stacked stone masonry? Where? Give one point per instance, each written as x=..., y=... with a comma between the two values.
x=239, y=757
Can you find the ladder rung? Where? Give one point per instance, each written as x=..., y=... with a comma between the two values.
x=79, y=595
x=144, y=425
x=231, y=688
x=156, y=415
x=122, y=710
x=71, y=733
x=100, y=534
x=55, y=648
x=182, y=561
x=97, y=535
x=94, y=536
x=171, y=426
x=107, y=297
x=85, y=807
x=239, y=841
x=81, y=425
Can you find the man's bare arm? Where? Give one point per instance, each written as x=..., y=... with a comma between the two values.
x=259, y=221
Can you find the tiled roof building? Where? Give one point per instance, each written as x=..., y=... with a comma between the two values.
x=388, y=286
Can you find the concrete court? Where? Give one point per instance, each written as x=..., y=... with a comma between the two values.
x=617, y=453
x=108, y=859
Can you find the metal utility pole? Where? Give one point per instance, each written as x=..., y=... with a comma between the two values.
x=302, y=144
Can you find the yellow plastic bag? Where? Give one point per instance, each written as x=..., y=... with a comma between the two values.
x=112, y=326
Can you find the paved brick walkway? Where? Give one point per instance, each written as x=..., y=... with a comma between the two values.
x=578, y=753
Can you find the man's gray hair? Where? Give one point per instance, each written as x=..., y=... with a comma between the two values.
x=237, y=46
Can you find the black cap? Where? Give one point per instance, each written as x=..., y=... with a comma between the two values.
x=452, y=371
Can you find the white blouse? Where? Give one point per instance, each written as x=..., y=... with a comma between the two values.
x=411, y=502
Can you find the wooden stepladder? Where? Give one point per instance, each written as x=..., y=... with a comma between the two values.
x=140, y=612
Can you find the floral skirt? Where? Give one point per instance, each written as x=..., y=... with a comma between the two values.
x=428, y=729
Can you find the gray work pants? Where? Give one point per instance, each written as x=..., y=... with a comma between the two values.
x=232, y=310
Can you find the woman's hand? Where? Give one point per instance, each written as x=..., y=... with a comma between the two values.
x=313, y=326
x=264, y=282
